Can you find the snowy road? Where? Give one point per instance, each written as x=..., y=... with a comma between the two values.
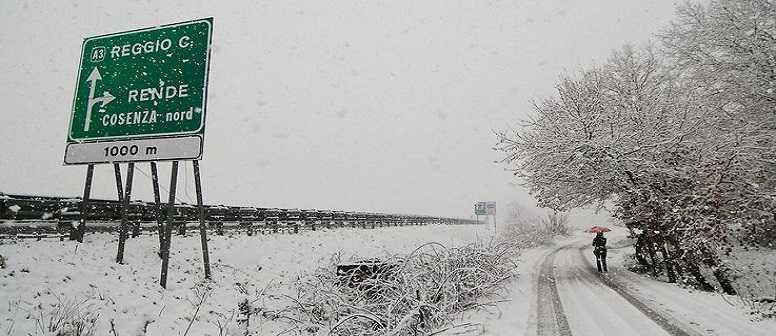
x=572, y=298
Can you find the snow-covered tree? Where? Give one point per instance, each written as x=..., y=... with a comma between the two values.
x=728, y=50
x=603, y=131
x=680, y=140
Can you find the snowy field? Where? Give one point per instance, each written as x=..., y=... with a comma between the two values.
x=46, y=280
x=43, y=276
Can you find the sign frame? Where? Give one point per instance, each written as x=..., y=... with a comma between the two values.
x=185, y=130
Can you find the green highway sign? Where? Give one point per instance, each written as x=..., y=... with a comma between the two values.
x=480, y=208
x=485, y=208
x=146, y=83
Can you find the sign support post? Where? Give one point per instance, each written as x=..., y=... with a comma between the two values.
x=168, y=226
x=494, y=222
x=117, y=172
x=202, y=227
x=124, y=209
x=157, y=206
x=85, y=203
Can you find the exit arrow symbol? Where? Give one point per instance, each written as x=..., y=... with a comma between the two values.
x=104, y=100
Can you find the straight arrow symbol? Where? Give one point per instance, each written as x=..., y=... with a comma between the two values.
x=92, y=79
x=106, y=98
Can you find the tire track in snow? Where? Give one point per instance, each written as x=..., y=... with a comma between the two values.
x=550, y=319
x=661, y=320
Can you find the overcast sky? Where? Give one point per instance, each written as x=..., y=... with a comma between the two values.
x=382, y=106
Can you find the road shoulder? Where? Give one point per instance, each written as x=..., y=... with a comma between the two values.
x=702, y=312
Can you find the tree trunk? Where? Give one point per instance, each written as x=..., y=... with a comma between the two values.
x=640, y=257
x=668, y=263
x=639, y=246
x=695, y=271
x=722, y=274
x=650, y=246
x=675, y=254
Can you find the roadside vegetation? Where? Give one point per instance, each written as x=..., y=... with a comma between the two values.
x=423, y=292
x=677, y=138
x=55, y=288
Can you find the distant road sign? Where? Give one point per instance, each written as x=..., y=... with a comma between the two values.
x=480, y=208
x=490, y=208
x=146, y=83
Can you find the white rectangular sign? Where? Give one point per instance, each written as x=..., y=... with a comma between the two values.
x=159, y=149
x=491, y=208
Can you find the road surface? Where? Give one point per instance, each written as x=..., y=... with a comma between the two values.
x=572, y=298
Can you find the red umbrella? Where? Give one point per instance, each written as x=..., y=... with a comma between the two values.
x=599, y=229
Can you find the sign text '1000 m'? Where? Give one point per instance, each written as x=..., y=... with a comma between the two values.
x=134, y=150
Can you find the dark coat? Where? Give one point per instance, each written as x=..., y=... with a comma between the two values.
x=599, y=242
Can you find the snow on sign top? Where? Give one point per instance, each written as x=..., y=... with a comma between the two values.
x=144, y=83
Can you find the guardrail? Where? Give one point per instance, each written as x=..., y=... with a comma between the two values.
x=39, y=230
x=37, y=208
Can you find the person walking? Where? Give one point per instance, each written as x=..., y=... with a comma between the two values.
x=599, y=250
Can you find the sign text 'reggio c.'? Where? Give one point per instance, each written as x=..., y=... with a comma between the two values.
x=148, y=84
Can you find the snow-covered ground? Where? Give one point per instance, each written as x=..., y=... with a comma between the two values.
x=43, y=275
x=557, y=292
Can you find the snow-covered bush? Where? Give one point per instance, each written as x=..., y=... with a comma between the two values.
x=761, y=302
x=69, y=317
x=418, y=294
x=224, y=323
x=755, y=280
x=556, y=223
x=526, y=232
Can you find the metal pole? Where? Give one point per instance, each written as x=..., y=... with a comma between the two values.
x=124, y=209
x=494, y=222
x=85, y=203
x=202, y=227
x=117, y=171
x=157, y=206
x=168, y=227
